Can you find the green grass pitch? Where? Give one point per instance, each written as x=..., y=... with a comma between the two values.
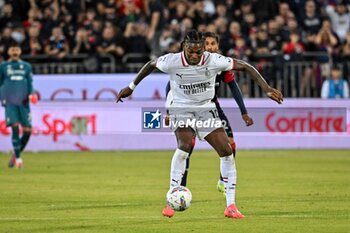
x=278, y=191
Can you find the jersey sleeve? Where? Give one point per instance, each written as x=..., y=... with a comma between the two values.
x=228, y=77
x=1, y=75
x=224, y=63
x=163, y=63
x=30, y=79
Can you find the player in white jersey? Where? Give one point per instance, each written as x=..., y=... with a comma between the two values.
x=192, y=79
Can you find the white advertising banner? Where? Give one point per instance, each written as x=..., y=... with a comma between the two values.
x=97, y=86
x=111, y=126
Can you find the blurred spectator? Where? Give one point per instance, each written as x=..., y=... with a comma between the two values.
x=310, y=20
x=248, y=23
x=57, y=45
x=185, y=26
x=89, y=17
x=50, y=19
x=335, y=87
x=262, y=42
x=95, y=32
x=265, y=9
x=131, y=14
x=294, y=47
x=224, y=40
x=180, y=11
x=326, y=39
x=18, y=34
x=340, y=18
x=174, y=47
x=345, y=48
x=34, y=15
x=235, y=32
x=135, y=35
x=7, y=17
x=68, y=27
x=274, y=34
x=241, y=50
x=110, y=14
x=245, y=8
x=33, y=44
x=5, y=41
x=292, y=25
x=285, y=12
x=174, y=27
x=166, y=39
x=82, y=43
x=221, y=12
x=73, y=7
x=198, y=15
x=156, y=21
x=111, y=43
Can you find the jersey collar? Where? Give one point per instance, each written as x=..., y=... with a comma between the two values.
x=184, y=62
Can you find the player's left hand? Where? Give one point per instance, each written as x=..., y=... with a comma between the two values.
x=33, y=98
x=248, y=121
x=125, y=92
x=274, y=94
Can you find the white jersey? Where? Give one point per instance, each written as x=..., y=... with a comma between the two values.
x=193, y=85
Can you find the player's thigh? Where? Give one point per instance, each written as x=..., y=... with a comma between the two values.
x=209, y=119
x=12, y=115
x=184, y=136
x=219, y=141
x=25, y=116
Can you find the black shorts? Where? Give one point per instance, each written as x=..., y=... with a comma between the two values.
x=223, y=117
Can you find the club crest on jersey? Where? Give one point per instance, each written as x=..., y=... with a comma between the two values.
x=207, y=73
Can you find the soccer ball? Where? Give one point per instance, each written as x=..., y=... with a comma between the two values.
x=179, y=198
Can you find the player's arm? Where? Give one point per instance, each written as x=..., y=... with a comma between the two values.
x=272, y=93
x=167, y=88
x=1, y=75
x=148, y=68
x=237, y=95
x=32, y=96
x=30, y=80
x=1, y=81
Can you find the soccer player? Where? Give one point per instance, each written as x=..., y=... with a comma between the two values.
x=192, y=80
x=212, y=45
x=16, y=90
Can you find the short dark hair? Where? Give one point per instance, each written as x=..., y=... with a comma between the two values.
x=212, y=35
x=335, y=67
x=193, y=36
x=14, y=44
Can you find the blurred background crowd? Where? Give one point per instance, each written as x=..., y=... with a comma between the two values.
x=299, y=38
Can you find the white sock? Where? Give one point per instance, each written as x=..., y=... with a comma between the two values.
x=178, y=166
x=228, y=172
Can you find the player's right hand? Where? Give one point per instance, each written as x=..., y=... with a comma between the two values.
x=275, y=95
x=33, y=98
x=125, y=92
x=248, y=121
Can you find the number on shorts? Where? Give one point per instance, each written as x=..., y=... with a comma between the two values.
x=214, y=112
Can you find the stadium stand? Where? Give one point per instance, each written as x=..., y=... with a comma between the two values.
x=293, y=43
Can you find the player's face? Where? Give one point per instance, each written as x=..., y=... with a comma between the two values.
x=211, y=45
x=193, y=52
x=14, y=52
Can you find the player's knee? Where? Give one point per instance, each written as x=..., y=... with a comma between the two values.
x=225, y=151
x=185, y=146
x=27, y=130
